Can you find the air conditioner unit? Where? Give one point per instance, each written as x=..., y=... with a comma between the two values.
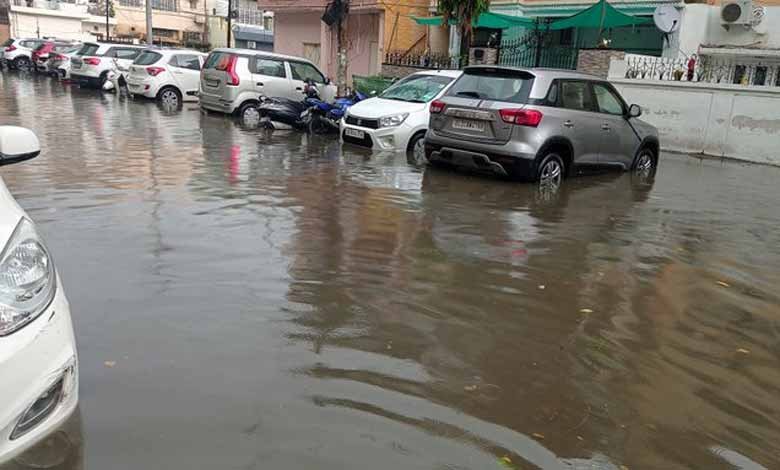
x=736, y=12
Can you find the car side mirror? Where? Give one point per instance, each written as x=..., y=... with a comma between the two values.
x=327, y=81
x=634, y=111
x=17, y=144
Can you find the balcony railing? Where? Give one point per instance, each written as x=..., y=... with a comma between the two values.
x=420, y=60
x=705, y=69
x=164, y=5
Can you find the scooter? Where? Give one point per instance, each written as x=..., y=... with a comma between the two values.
x=325, y=117
x=284, y=114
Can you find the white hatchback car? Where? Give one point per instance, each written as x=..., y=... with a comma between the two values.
x=38, y=360
x=17, y=53
x=94, y=61
x=398, y=118
x=168, y=75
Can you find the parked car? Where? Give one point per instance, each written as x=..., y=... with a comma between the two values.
x=92, y=63
x=398, y=118
x=168, y=75
x=537, y=124
x=41, y=55
x=38, y=358
x=59, y=62
x=233, y=80
x=17, y=53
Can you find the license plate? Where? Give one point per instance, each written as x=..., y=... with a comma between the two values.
x=358, y=134
x=468, y=125
x=212, y=83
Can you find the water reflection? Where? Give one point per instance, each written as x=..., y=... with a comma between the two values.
x=279, y=300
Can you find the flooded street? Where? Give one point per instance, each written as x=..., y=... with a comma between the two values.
x=253, y=301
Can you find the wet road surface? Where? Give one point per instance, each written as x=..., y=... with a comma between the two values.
x=283, y=302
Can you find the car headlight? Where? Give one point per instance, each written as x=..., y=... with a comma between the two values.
x=27, y=278
x=394, y=120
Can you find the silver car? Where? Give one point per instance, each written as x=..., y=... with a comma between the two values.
x=537, y=124
x=232, y=80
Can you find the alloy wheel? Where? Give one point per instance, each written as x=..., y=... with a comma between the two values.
x=169, y=98
x=551, y=175
x=251, y=115
x=418, y=151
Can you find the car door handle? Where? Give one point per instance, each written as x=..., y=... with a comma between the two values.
x=259, y=83
x=568, y=123
x=605, y=127
x=299, y=88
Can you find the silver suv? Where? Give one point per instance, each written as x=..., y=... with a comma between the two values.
x=537, y=124
x=232, y=80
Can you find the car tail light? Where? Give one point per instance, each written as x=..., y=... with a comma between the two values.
x=92, y=61
x=10, y=48
x=58, y=57
x=437, y=107
x=154, y=71
x=522, y=117
x=233, y=79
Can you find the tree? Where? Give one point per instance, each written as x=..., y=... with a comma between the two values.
x=464, y=12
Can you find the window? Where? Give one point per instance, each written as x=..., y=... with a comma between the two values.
x=147, y=58
x=311, y=51
x=191, y=62
x=494, y=84
x=31, y=44
x=131, y=3
x=164, y=5
x=607, y=101
x=122, y=53
x=303, y=71
x=552, y=94
x=217, y=61
x=576, y=95
x=417, y=88
x=164, y=33
x=88, y=49
x=269, y=67
x=251, y=45
x=759, y=78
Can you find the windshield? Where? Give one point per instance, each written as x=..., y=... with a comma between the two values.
x=88, y=49
x=147, y=58
x=417, y=88
x=498, y=84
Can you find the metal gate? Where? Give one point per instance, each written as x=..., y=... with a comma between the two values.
x=530, y=50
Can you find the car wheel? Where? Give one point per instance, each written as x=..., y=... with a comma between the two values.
x=249, y=114
x=550, y=172
x=645, y=164
x=22, y=63
x=169, y=97
x=415, y=151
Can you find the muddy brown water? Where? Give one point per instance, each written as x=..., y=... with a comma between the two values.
x=285, y=302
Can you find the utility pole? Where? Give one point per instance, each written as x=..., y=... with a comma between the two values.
x=149, y=36
x=108, y=10
x=230, y=21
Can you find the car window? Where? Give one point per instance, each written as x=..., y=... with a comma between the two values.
x=496, y=84
x=129, y=54
x=417, y=88
x=269, y=67
x=88, y=49
x=607, y=101
x=215, y=59
x=303, y=71
x=576, y=95
x=30, y=44
x=41, y=47
x=185, y=61
x=147, y=58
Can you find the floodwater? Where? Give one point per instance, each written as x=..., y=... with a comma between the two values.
x=248, y=301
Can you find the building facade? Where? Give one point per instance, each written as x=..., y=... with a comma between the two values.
x=64, y=20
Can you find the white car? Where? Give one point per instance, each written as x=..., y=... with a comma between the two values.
x=398, y=118
x=17, y=53
x=168, y=75
x=93, y=62
x=59, y=63
x=38, y=360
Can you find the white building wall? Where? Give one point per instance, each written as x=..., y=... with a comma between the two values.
x=720, y=120
x=68, y=22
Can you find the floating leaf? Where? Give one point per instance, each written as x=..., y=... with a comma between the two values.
x=743, y=351
x=470, y=388
x=586, y=310
x=537, y=435
x=541, y=286
x=109, y=363
x=723, y=284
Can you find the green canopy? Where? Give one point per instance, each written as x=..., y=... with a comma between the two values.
x=600, y=15
x=485, y=20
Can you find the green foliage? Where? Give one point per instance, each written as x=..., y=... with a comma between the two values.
x=463, y=11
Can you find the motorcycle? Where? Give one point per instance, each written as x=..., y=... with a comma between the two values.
x=325, y=117
x=283, y=114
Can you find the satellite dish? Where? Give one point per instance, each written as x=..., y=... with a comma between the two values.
x=667, y=18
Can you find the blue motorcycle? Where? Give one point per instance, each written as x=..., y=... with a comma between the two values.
x=325, y=117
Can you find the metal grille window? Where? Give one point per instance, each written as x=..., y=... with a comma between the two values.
x=164, y=33
x=164, y=5
x=250, y=16
x=192, y=37
x=3, y=11
x=132, y=3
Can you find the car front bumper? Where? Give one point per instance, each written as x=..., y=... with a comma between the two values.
x=32, y=360
x=385, y=138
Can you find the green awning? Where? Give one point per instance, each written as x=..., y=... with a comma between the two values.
x=485, y=20
x=601, y=15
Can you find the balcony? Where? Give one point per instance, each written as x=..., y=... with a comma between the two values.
x=66, y=9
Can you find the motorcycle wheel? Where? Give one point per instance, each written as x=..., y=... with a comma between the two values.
x=317, y=125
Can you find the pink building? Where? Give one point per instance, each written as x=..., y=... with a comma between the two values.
x=300, y=31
